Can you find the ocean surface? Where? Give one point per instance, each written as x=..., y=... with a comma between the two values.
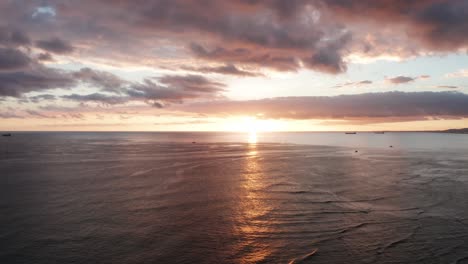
x=233, y=198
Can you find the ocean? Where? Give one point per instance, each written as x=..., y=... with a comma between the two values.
x=184, y=197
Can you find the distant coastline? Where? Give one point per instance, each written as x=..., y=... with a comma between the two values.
x=456, y=131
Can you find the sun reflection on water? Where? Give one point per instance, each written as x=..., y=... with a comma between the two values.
x=251, y=219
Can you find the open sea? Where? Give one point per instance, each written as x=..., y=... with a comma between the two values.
x=181, y=197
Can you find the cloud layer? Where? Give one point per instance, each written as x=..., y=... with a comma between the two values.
x=281, y=35
x=359, y=106
x=197, y=41
x=55, y=45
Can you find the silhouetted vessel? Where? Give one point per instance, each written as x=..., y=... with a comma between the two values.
x=350, y=133
x=7, y=135
x=379, y=132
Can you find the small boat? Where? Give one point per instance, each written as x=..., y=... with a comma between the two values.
x=6, y=135
x=350, y=133
x=379, y=132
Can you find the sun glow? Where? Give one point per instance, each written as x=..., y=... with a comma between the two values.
x=253, y=125
x=252, y=137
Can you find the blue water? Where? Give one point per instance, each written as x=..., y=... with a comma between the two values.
x=301, y=197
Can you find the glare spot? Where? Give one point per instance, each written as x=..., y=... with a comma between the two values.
x=252, y=137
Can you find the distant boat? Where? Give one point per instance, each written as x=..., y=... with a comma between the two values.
x=350, y=133
x=379, y=132
x=7, y=135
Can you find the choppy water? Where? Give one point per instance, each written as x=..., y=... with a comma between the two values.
x=158, y=198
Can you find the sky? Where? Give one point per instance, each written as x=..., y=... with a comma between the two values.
x=238, y=65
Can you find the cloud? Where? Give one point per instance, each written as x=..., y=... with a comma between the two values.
x=13, y=37
x=55, y=45
x=388, y=105
x=228, y=69
x=161, y=91
x=41, y=97
x=272, y=34
x=21, y=72
x=9, y=114
x=400, y=79
x=406, y=79
x=98, y=98
x=280, y=62
x=174, y=89
x=321, y=55
x=438, y=25
x=360, y=83
x=328, y=56
x=13, y=59
x=447, y=86
x=444, y=24
x=195, y=83
x=45, y=57
x=39, y=78
x=282, y=35
x=100, y=79
x=458, y=74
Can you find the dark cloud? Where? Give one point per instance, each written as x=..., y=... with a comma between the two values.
x=45, y=57
x=406, y=79
x=328, y=58
x=282, y=35
x=400, y=79
x=100, y=79
x=39, y=78
x=158, y=92
x=41, y=98
x=9, y=114
x=274, y=34
x=192, y=83
x=98, y=98
x=360, y=83
x=229, y=69
x=13, y=37
x=444, y=24
x=437, y=24
x=281, y=62
x=55, y=45
x=13, y=59
x=174, y=89
x=447, y=86
x=361, y=106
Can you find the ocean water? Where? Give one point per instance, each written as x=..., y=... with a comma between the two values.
x=233, y=198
